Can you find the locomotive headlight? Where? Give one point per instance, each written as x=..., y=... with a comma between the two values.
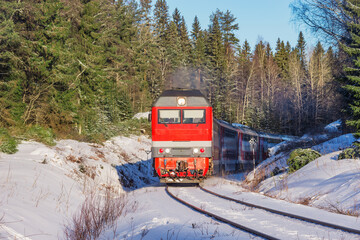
x=181, y=101
x=202, y=150
x=172, y=174
x=161, y=150
x=167, y=150
x=195, y=150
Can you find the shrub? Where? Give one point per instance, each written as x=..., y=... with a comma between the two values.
x=135, y=127
x=8, y=144
x=41, y=134
x=300, y=157
x=102, y=132
x=350, y=153
x=97, y=214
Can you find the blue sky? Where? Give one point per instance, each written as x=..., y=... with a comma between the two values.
x=265, y=20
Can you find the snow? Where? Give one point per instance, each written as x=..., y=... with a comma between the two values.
x=41, y=188
x=334, y=127
x=335, y=144
x=142, y=115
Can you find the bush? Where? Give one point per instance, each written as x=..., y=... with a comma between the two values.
x=41, y=134
x=8, y=144
x=350, y=153
x=300, y=157
x=107, y=130
x=135, y=127
x=97, y=214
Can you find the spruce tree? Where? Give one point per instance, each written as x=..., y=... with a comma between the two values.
x=173, y=45
x=185, y=42
x=301, y=47
x=228, y=27
x=198, y=51
x=11, y=65
x=161, y=17
x=177, y=20
x=215, y=52
x=352, y=48
x=281, y=57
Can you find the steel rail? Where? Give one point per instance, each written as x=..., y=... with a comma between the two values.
x=236, y=225
x=311, y=220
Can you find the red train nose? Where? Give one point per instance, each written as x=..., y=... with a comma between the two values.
x=172, y=174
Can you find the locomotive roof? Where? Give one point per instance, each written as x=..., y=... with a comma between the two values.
x=194, y=98
x=182, y=92
x=242, y=129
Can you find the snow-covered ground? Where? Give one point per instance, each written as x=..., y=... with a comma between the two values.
x=325, y=183
x=42, y=188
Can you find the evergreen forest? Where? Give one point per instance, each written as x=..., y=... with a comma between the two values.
x=83, y=67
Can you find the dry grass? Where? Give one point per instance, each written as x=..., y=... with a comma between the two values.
x=305, y=201
x=74, y=159
x=252, y=184
x=100, y=154
x=98, y=213
x=283, y=184
x=125, y=156
x=332, y=207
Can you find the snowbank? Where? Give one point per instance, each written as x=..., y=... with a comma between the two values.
x=326, y=182
x=42, y=187
x=142, y=115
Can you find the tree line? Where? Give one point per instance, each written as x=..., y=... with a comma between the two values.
x=79, y=66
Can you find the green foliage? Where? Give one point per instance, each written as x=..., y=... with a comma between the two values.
x=40, y=134
x=8, y=144
x=350, y=153
x=135, y=127
x=82, y=68
x=105, y=130
x=300, y=157
x=352, y=73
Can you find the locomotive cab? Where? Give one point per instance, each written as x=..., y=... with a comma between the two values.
x=181, y=136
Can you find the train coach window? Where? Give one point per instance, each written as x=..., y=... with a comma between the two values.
x=194, y=116
x=169, y=116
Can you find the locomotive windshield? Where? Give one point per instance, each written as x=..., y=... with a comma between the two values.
x=173, y=116
x=169, y=116
x=194, y=116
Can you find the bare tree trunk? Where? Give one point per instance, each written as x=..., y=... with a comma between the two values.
x=245, y=100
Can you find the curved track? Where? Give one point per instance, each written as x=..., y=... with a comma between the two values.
x=326, y=224
x=239, y=226
x=254, y=229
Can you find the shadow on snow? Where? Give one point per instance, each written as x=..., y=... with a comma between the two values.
x=136, y=175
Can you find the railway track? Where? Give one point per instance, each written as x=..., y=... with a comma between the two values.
x=301, y=221
x=224, y=220
x=326, y=224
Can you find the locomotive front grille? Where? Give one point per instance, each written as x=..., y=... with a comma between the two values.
x=178, y=152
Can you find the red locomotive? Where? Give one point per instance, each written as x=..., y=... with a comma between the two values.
x=188, y=144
